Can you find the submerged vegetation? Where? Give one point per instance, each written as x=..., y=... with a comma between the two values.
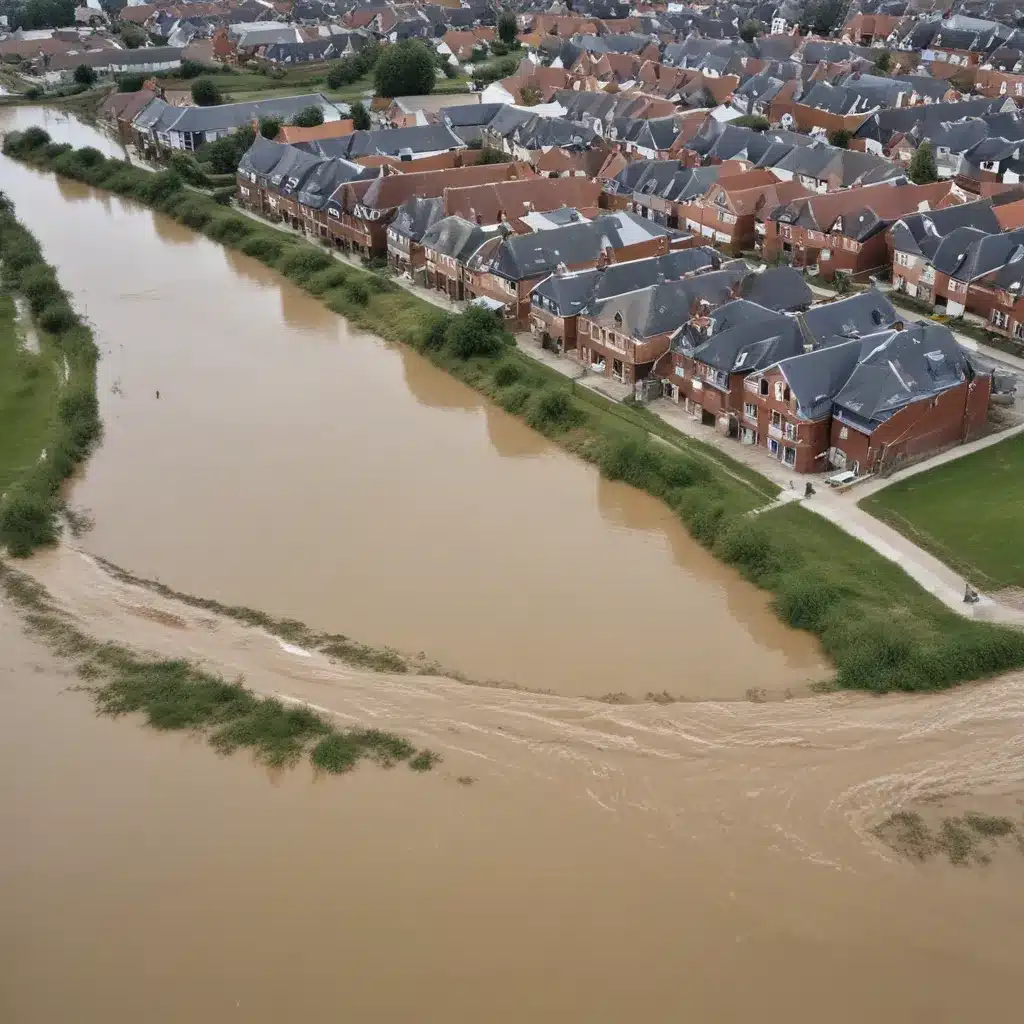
x=882, y=631
x=175, y=695
x=969, y=839
x=61, y=419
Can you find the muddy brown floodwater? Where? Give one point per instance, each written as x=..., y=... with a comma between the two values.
x=295, y=465
x=569, y=860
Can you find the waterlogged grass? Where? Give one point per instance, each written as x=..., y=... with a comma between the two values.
x=37, y=411
x=175, y=696
x=882, y=631
x=970, y=839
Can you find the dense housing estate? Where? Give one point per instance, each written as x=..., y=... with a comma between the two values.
x=647, y=188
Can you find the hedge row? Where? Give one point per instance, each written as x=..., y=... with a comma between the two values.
x=882, y=631
x=30, y=510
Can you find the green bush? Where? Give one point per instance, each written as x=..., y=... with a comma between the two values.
x=553, y=412
x=34, y=137
x=358, y=291
x=228, y=229
x=265, y=247
x=475, y=332
x=57, y=317
x=805, y=598
x=507, y=373
x=514, y=398
x=27, y=521
x=330, y=277
x=434, y=330
x=303, y=263
x=40, y=287
x=747, y=544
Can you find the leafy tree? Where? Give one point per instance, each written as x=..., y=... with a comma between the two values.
x=493, y=156
x=224, y=154
x=130, y=82
x=269, y=127
x=750, y=30
x=350, y=69
x=6, y=205
x=475, y=332
x=405, y=69
x=840, y=138
x=360, y=116
x=133, y=37
x=85, y=75
x=205, y=93
x=529, y=96
x=309, y=117
x=823, y=15
x=507, y=27
x=922, y=167
x=754, y=121
x=883, y=62
x=190, y=69
x=42, y=14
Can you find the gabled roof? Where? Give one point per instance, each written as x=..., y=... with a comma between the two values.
x=415, y=215
x=848, y=319
x=779, y=289
x=906, y=366
x=922, y=233
x=816, y=377
x=756, y=338
x=430, y=138
x=454, y=237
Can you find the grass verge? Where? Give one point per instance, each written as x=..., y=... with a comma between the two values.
x=883, y=631
x=175, y=695
x=36, y=411
x=969, y=513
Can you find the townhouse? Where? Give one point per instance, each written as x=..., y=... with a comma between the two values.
x=556, y=303
x=447, y=246
x=846, y=232
x=506, y=270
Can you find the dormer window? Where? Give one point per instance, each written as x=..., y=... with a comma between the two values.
x=618, y=319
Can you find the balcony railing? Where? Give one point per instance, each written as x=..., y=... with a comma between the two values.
x=774, y=431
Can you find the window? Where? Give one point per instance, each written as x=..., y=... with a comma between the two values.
x=594, y=332
x=790, y=457
x=1018, y=330
x=789, y=431
x=779, y=390
x=679, y=371
x=844, y=433
x=764, y=388
x=903, y=259
x=999, y=318
x=1019, y=88
x=750, y=410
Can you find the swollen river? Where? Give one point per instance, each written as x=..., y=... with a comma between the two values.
x=569, y=861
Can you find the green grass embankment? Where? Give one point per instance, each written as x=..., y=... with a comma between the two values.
x=37, y=411
x=969, y=513
x=881, y=629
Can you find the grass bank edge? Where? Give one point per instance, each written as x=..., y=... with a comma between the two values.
x=176, y=695
x=31, y=508
x=882, y=631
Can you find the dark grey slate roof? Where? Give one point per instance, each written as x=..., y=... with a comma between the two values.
x=909, y=365
x=228, y=116
x=430, y=138
x=923, y=232
x=467, y=115
x=758, y=339
x=778, y=288
x=415, y=215
x=849, y=318
x=816, y=377
x=455, y=237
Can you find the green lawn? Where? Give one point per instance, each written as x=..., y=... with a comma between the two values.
x=28, y=394
x=969, y=513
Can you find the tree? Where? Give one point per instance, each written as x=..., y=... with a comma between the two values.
x=507, y=28
x=405, y=69
x=309, y=117
x=840, y=138
x=360, y=116
x=205, y=93
x=922, y=167
x=475, y=332
x=883, y=62
x=190, y=69
x=529, y=96
x=753, y=121
x=750, y=30
x=85, y=75
x=42, y=14
x=493, y=156
x=133, y=37
x=351, y=69
x=224, y=154
x=269, y=127
x=823, y=15
x=130, y=82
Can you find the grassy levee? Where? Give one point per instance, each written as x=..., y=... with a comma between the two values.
x=175, y=695
x=881, y=629
x=62, y=418
x=969, y=513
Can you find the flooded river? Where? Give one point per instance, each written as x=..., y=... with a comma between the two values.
x=569, y=860
x=295, y=465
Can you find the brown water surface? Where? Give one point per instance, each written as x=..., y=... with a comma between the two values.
x=696, y=862
x=295, y=465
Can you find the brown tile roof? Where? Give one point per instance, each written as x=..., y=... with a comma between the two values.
x=392, y=190
x=485, y=204
x=292, y=133
x=124, y=106
x=137, y=15
x=887, y=201
x=1010, y=215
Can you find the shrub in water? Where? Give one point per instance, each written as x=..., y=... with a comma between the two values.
x=228, y=229
x=39, y=285
x=325, y=280
x=804, y=600
x=27, y=521
x=264, y=247
x=747, y=544
x=57, y=317
x=34, y=137
x=303, y=262
x=553, y=411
